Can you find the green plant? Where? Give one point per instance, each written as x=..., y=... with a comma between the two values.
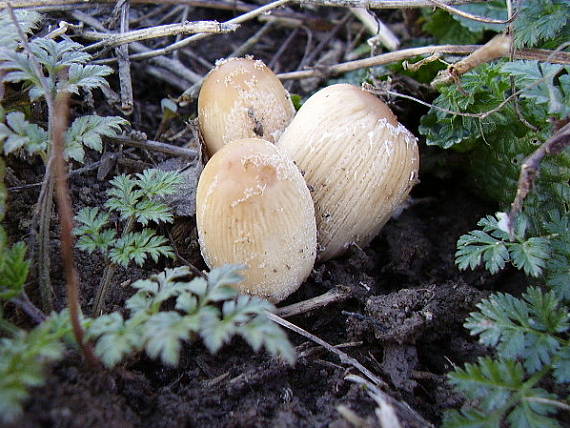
x=499, y=114
x=47, y=69
x=135, y=200
x=208, y=308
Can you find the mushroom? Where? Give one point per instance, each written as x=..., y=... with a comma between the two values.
x=254, y=208
x=242, y=98
x=358, y=161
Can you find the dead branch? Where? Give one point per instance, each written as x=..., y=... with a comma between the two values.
x=155, y=146
x=122, y=52
x=530, y=170
x=387, y=58
x=185, y=42
x=337, y=294
x=344, y=358
x=112, y=40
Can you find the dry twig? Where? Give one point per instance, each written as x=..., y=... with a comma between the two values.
x=337, y=294
x=530, y=169
x=344, y=358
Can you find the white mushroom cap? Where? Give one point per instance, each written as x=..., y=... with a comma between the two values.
x=254, y=208
x=242, y=98
x=359, y=162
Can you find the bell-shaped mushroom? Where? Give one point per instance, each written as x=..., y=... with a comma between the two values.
x=359, y=162
x=242, y=98
x=254, y=208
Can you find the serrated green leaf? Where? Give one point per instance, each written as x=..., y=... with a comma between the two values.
x=530, y=255
x=28, y=20
x=91, y=236
x=163, y=335
x=492, y=382
x=138, y=246
x=470, y=418
x=539, y=20
x=87, y=131
x=115, y=337
x=19, y=134
x=86, y=77
x=155, y=182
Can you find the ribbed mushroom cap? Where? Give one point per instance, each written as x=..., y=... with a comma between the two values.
x=254, y=208
x=242, y=98
x=359, y=162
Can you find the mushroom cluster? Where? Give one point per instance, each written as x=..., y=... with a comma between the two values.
x=253, y=204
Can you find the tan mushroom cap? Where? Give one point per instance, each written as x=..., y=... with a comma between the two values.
x=242, y=98
x=254, y=208
x=359, y=162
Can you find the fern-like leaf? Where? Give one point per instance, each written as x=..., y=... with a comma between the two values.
x=92, y=236
x=19, y=134
x=138, y=246
x=87, y=131
x=28, y=20
x=85, y=77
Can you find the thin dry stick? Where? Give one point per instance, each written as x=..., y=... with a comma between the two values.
x=381, y=4
x=122, y=52
x=387, y=58
x=171, y=65
x=344, y=358
x=530, y=169
x=237, y=5
x=112, y=40
x=337, y=294
x=155, y=146
x=185, y=42
x=403, y=406
x=470, y=16
x=66, y=227
x=184, y=18
x=377, y=28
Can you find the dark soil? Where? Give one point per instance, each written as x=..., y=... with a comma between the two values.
x=403, y=321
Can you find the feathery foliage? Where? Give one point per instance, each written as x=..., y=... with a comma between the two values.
x=529, y=335
x=63, y=68
x=136, y=199
x=206, y=308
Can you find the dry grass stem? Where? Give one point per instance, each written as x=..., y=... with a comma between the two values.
x=344, y=358
x=382, y=34
x=381, y=4
x=154, y=146
x=112, y=40
x=122, y=52
x=387, y=58
x=338, y=294
x=185, y=42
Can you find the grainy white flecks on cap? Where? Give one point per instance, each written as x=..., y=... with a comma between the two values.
x=253, y=207
x=242, y=98
x=359, y=162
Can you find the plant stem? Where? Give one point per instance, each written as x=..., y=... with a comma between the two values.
x=66, y=226
x=24, y=303
x=108, y=274
x=44, y=214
